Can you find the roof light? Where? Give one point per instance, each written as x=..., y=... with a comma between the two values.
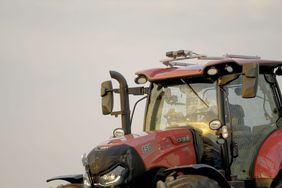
x=141, y=79
x=212, y=71
x=118, y=132
x=229, y=69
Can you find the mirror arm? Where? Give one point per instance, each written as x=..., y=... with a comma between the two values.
x=138, y=90
x=133, y=90
x=116, y=113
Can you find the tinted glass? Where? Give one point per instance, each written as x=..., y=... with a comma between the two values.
x=181, y=105
x=252, y=119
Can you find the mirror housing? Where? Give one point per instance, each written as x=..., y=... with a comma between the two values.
x=107, y=97
x=250, y=80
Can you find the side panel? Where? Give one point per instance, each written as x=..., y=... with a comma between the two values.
x=166, y=148
x=169, y=148
x=75, y=179
x=269, y=158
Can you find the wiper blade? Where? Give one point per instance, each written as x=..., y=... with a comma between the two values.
x=192, y=89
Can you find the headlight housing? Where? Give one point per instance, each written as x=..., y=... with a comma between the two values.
x=114, y=177
x=86, y=181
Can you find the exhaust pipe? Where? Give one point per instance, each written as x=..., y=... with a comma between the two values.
x=124, y=101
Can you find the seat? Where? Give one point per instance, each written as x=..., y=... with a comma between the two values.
x=241, y=132
x=237, y=116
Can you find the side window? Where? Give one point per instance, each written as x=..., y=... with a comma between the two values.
x=252, y=112
x=252, y=120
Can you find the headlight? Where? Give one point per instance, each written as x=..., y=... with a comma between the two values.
x=113, y=177
x=141, y=79
x=229, y=69
x=212, y=71
x=224, y=132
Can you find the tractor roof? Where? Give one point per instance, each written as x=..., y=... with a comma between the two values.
x=178, y=69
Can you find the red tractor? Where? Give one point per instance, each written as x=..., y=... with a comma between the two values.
x=211, y=122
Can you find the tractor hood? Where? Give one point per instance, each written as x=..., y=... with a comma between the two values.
x=113, y=152
x=104, y=160
x=140, y=152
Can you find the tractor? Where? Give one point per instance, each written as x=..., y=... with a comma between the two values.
x=208, y=122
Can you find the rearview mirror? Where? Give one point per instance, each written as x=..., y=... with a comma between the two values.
x=250, y=80
x=107, y=97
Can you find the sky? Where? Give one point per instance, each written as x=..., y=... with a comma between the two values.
x=54, y=54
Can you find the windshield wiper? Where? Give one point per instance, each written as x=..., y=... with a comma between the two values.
x=195, y=93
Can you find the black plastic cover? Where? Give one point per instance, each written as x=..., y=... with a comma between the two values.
x=103, y=159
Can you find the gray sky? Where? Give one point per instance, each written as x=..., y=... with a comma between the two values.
x=55, y=53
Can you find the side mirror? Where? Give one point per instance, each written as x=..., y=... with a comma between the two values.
x=250, y=80
x=107, y=97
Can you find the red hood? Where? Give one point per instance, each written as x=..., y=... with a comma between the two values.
x=198, y=69
x=167, y=148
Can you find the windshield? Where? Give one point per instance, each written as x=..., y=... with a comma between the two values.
x=193, y=105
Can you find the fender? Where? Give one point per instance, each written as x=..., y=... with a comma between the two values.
x=197, y=169
x=69, y=178
x=269, y=158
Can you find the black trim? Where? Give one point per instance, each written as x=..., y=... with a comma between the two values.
x=147, y=106
x=197, y=169
x=277, y=179
x=224, y=147
x=103, y=160
x=198, y=144
x=277, y=93
x=69, y=178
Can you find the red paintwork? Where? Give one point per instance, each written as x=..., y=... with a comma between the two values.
x=172, y=72
x=197, y=69
x=165, y=150
x=269, y=157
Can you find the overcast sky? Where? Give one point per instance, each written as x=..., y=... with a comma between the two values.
x=55, y=53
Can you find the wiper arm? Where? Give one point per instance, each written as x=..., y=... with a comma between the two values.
x=195, y=93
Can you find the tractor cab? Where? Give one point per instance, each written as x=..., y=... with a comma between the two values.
x=232, y=102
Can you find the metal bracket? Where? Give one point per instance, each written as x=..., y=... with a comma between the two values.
x=178, y=55
x=241, y=56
